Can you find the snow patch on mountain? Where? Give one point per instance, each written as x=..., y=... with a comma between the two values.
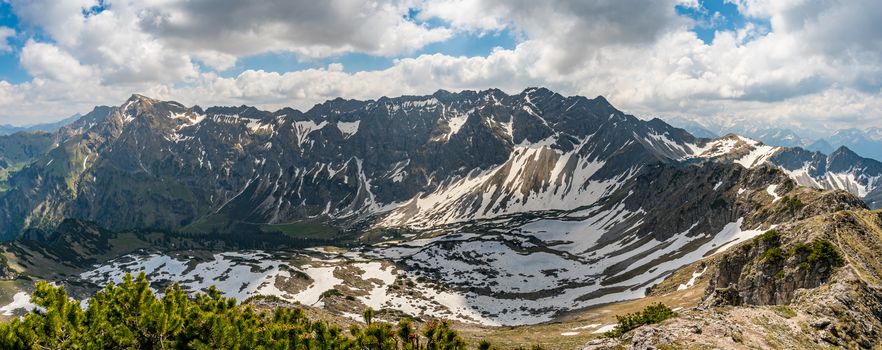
x=323, y=279
x=691, y=282
x=566, y=274
x=578, y=236
x=454, y=124
x=715, y=148
x=854, y=181
x=20, y=301
x=188, y=118
x=536, y=177
x=348, y=128
x=256, y=125
x=225, y=272
x=771, y=191
x=663, y=142
x=848, y=182
x=303, y=128
x=758, y=155
x=244, y=274
x=802, y=176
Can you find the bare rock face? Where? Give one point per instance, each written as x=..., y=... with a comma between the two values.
x=774, y=266
x=6, y=273
x=846, y=313
x=723, y=297
x=826, y=267
x=765, y=278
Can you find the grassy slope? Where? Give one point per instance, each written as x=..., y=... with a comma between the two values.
x=302, y=229
x=23, y=258
x=549, y=335
x=5, y=173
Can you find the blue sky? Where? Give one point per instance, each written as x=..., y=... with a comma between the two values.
x=465, y=44
x=10, y=70
x=782, y=61
x=462, y=44
x=716, y=15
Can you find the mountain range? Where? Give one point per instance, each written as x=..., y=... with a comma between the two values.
x=44, y=127
x=866, y=142
x=495, y=208
x=414, y=161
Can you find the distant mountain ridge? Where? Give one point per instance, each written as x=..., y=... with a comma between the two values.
x=841, y=170
x=867, y=143
x=45, y=127
x=417, y=161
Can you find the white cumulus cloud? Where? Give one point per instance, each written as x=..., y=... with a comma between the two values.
x=5, y=34
x=816, y=62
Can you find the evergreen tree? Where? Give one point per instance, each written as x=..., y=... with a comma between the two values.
x=131, y=316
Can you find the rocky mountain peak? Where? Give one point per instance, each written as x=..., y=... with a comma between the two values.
x=843, y=151
x=601, y=100
x=138, y=98
x=539, y=92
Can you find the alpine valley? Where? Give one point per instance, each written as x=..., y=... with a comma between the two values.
x=532, y=218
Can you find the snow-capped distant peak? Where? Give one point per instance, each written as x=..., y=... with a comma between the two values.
x=741, y=150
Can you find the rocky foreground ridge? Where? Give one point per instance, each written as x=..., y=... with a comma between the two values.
x=813, y=283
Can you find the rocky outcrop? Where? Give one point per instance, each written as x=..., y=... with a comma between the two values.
x=6, y=272
x=721, y=328
x=802, y=254
x=815, y=282
x=769, y=272
x=846, y=312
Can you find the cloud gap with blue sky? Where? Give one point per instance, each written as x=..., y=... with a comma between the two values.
x=787, y=61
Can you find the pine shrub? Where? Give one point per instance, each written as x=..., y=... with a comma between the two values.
x=131, y=316
x=651, y=314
